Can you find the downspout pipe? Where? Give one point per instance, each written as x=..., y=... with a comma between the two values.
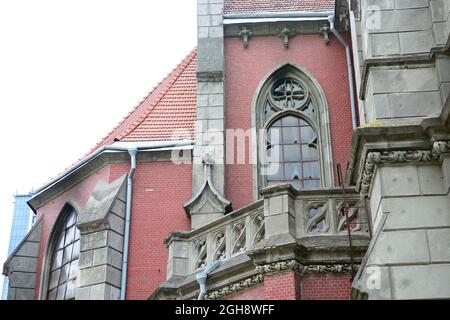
x=202, y=276
x=349, y=66
x=123, y=288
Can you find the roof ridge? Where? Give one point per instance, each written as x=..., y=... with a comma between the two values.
x=175, y=75
x=164, y=85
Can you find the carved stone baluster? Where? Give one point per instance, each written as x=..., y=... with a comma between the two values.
x=259, y=226
x=200, y=253
x=334, y=216
x=239, y=241
x=249, y=232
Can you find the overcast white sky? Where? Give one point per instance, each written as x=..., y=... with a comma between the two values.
x=69, y=71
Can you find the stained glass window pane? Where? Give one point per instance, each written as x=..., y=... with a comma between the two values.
x=309, y=153
x=291, y=135
x=308, y=135
x=292, y=153
x=61, y=292
x=54, y=279
x=290, y=121
x=70, y=235
x=293, y=171
x=57, y=260
x=67, y=254
x=311, y=170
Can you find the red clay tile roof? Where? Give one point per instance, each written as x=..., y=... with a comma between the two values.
x=256, y=6
x=170, y=108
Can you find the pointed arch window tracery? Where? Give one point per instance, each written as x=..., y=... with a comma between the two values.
x=295, y=148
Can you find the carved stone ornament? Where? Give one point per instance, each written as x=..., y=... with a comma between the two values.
x=245, y=35
x=285, y=34
x=294, y=265
x=235, y=287
x=276, y=267
x=374, y=158
x=329, y=269
x=207, y=199
x=324, y=30
x=440, y=147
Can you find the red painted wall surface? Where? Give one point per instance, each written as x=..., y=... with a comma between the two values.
x=246, y=68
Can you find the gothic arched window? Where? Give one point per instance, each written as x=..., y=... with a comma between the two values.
x=64, y=258
x=294, y=147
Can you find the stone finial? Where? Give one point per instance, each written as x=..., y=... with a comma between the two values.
x=208, y=159
x=245, y=35
x=207, y=204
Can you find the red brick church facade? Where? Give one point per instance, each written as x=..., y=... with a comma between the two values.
x=127, y=222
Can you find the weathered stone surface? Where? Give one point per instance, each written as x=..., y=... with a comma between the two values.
x=399, y=181
x=24, y=294
x=439, y=243
x=23, y=280
x=400, y=247
x=94, y=240
x=101, y=201
x=21, y=266
x=29, y=249
x=417, y=212
x=421, y=282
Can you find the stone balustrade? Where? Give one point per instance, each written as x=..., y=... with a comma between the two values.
x=305, y=214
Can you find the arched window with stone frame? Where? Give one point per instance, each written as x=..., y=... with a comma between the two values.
x=61, y=264
x=292, y=129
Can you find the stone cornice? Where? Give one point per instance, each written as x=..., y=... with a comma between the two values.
x=403, y=156
x=294, y=265
x=276, y=267
x=236, y=287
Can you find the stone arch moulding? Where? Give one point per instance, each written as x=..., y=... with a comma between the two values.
x=49, y=248
x=318, y=97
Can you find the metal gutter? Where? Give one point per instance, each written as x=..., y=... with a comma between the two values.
x=115, y=147
x=264, y=17
x=126, y=237
x=349, y=67
x=202, y=276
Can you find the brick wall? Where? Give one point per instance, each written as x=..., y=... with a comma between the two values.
x=245, y=69
x=290, y=286
x=160, y=189
x=326, y=287
x=284, y=286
